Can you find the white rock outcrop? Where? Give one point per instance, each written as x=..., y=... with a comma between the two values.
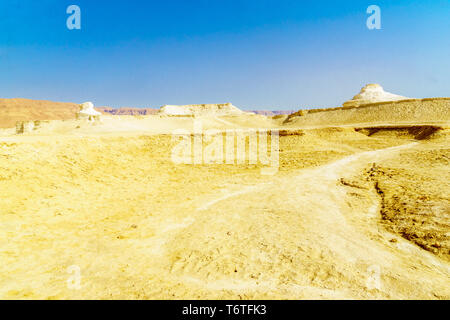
x=372, y=93
x=221, y=109
x=87, y=112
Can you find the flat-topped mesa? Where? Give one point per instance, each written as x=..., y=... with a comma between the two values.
x=372, y=93
x=217, y=109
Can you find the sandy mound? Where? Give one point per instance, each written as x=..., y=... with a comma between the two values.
x=13, y=110
x=372, y=93
x=200, y=110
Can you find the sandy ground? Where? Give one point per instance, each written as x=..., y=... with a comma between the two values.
x=107, y=201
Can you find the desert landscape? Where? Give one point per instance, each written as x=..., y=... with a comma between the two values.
x=94, y=207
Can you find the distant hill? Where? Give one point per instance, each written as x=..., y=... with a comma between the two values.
x=212, y=109
x=146, y=111
x=412, y=111
x=13, y=110
x=127, y=111
x=272, y=113
x=18, y=109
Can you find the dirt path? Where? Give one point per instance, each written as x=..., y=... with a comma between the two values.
x=140, y=233
x=336, y=249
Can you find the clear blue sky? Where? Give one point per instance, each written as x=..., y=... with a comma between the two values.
x=256, y=54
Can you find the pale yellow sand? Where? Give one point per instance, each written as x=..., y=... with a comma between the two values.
x=107, y=200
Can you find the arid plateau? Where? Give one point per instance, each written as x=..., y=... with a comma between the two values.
x=357, y=207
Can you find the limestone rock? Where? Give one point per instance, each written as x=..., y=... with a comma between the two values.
x=87, y=112
x=372, y=93
x=200, y=110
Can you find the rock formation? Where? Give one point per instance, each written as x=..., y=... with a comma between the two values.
x=200, y=110
x=372, y=93
x=87, y=112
